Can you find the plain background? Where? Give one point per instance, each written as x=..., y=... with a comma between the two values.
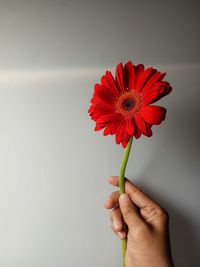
x=53, y=166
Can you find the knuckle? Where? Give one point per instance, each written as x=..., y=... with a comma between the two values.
x=158, y=213
x=114, y=194
x=161, y=212
x=113, y=212
x=164, y=215
x=134, y=192
x=113, y=229
x=154, y=211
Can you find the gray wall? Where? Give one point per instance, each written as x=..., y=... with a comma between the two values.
x=53, y=166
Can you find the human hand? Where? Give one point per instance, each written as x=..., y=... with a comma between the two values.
x=147, y=235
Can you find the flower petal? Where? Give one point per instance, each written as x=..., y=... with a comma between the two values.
x=121, y=126
x=137, y=132
x=108, y=118
x=108, y=82
x=129, y=127
x=121, y=132
x=139, y=70
x=125, y=139
x=96, y=115
x=142, y=79
x=148, y=129
x=118, y=138
x=156, y=77
x=104, y=93
x=120, y=77
x=111, y=128
x=99, y=126
x=153, y=114
x=140, y=123
x=159, y=90
x=96, y=101
x=143, y=126
x=124, y=143
x=130, y=73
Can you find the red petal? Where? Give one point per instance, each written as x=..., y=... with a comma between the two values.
x=150, y=97
x=122, y=134
x=120, y=77
x=99, y=126
x=118, y=138
x=124, y=143
x=153, y=114
x=139, y=70
x=98, y=102
x=90, y=109
x=143, y=126
x=140, y=123
x=158, y=91
x=130, y=73
x=104, y=93
x=137, y=132
x=125, y=139
x=156, y=77
x=121, y=126
x=148, y=129
x=108, y=118
x=129, y=127
x=142, y=79
x=99, y=109
x=108, y=82
x=96, y=115
x=111, y=128
x=107, y=130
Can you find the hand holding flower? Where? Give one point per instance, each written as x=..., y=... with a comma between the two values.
x=147, y=236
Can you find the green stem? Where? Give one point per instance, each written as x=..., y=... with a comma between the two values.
x=122, y=187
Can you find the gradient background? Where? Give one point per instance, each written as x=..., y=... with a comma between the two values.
x=53, y=167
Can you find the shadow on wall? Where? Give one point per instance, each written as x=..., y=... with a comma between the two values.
x=179, y=155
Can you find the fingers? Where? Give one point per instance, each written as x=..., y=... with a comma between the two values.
x=112, y=201
x=130, y=213
x=149, y=209
x=138, y=197
x=115, y=215
x=117, y=223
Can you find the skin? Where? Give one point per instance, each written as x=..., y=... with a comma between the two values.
x=146, y=229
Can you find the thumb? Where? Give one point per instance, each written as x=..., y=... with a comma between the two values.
x=129, y=212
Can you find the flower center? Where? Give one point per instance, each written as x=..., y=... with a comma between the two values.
x=129, y=103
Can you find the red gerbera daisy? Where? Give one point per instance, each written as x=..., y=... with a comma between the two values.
x=123, y=105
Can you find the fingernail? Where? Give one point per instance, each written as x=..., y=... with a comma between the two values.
x=116, y=224
x=121, y=235
x=124, y=199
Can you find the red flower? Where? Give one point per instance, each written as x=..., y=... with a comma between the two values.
x=123, y=105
